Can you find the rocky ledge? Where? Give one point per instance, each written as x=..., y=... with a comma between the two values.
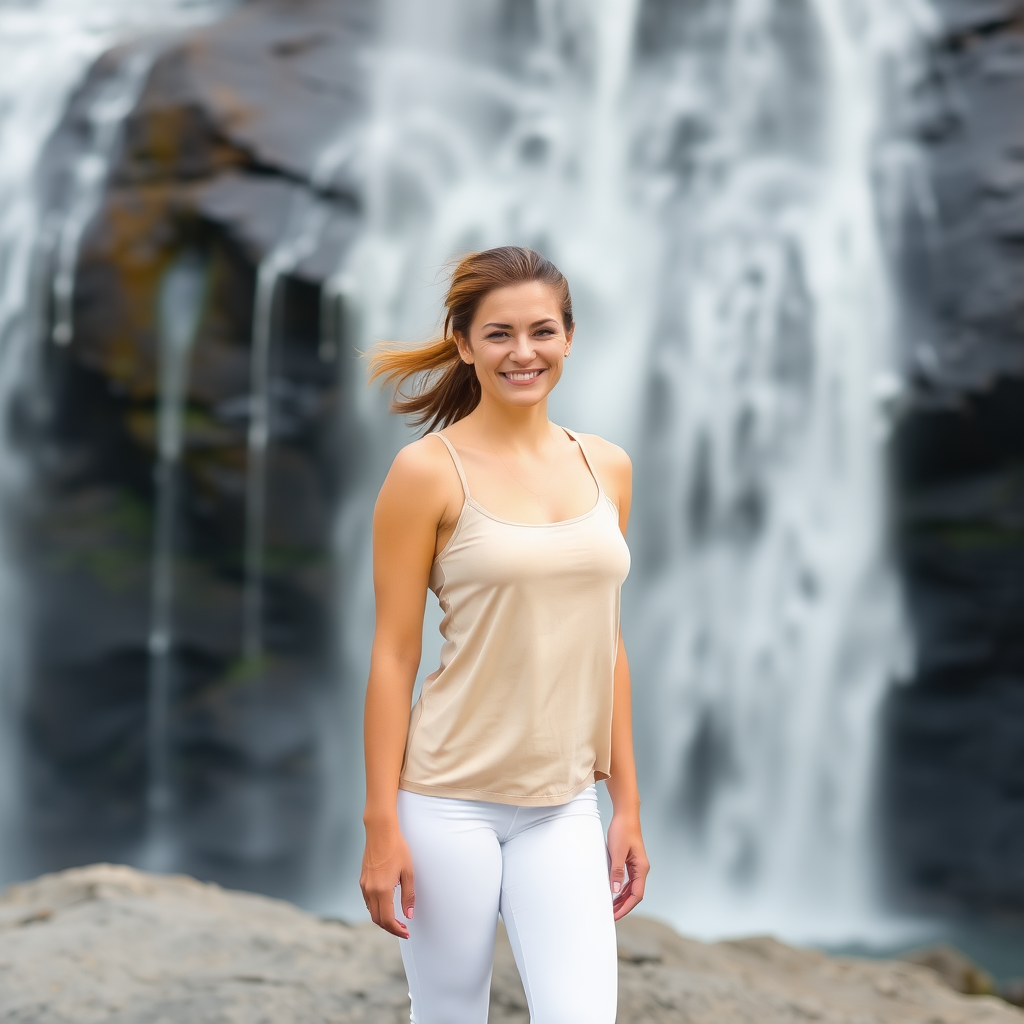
x=107, y=943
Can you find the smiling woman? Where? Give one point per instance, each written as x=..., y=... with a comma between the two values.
x=449, y=387
x=485, y=792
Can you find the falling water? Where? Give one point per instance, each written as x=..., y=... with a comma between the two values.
x=180, y=305
x=768, y=619
x=308, y=216
x=706, y=175
x=45, y=49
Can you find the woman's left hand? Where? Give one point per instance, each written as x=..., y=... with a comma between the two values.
x=629, y=864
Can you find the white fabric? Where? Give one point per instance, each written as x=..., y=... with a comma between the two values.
x=546, y=870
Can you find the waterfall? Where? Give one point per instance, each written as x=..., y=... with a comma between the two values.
x=180, y=304
x=769, y=623
x=45, y=49
x=716, y=178
x=708, y=175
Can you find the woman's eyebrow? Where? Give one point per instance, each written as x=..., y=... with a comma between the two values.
x=536, y=323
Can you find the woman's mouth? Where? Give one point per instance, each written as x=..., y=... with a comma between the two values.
x=521, y=376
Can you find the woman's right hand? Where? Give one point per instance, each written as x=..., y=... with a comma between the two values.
x=387, y=863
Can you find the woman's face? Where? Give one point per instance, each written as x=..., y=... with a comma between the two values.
x=517, y=343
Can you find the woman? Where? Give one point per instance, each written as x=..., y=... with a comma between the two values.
x=483, y=800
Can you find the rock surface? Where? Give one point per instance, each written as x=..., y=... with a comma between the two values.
x=106, y=943
x=964, y=261
x=227, y=158
x=959, y=972
x=954, y=744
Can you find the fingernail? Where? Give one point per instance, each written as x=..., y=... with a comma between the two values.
x=616, y=886
x=409, y=915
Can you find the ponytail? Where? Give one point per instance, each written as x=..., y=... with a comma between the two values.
x=446, y=389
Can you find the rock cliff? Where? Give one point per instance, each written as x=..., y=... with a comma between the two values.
x=954, y=774
x=231, y=167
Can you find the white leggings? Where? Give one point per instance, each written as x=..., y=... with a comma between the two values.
x=546, y=870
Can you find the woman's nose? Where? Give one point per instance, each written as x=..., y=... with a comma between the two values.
x=524, y=350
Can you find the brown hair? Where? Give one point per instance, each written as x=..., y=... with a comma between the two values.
x=447, y=388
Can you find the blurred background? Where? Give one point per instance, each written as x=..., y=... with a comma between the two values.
x=794, y=230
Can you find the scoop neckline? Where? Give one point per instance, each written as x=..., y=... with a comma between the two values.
x=470, y=502
x=558, y=522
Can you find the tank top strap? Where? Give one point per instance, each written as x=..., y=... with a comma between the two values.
x=586, y=458
x=458, y=462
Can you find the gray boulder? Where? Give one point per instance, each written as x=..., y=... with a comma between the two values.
x=106, y=943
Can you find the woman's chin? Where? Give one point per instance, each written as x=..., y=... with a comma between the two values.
x=523, y=398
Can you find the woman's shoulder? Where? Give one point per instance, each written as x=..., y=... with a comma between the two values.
x=421, y=482
x=608, y=455
x=425, y=465
x=612, y=465
x=425, y=455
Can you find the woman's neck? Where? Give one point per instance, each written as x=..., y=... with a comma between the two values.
x=510, y=428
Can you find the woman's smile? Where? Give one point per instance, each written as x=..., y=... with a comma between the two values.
x=521, y=377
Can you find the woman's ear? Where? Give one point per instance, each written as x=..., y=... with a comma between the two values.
x=462, y=344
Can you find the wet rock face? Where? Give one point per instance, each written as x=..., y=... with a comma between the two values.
x=965, y=255
x=954, y=775
x=954, y=781
x=219, y=169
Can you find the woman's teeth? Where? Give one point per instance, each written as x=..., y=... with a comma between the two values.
x=527, y=375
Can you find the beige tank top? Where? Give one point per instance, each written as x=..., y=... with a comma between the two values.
x=520, y=709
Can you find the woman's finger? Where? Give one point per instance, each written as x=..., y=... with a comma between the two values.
x=382, y=911
x=633, y=891
x=621, y=909
x=626, y=900
x=618, y=858
x=617, y=874
x=408, y=892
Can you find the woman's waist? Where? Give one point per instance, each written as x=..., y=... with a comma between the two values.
x=534, y=720
x=512, y=672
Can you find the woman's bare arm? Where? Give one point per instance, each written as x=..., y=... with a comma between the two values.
x=629, y=864
x=412, y=503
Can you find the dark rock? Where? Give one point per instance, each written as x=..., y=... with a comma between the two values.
x=1012, y=991
x=239, y=142
x=959, y=972
x=955, y=733
x=953, y=776
x=964, y=260
x=976, y=17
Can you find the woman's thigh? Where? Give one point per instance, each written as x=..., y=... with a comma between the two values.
x=457, y=868
x=557, y=908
